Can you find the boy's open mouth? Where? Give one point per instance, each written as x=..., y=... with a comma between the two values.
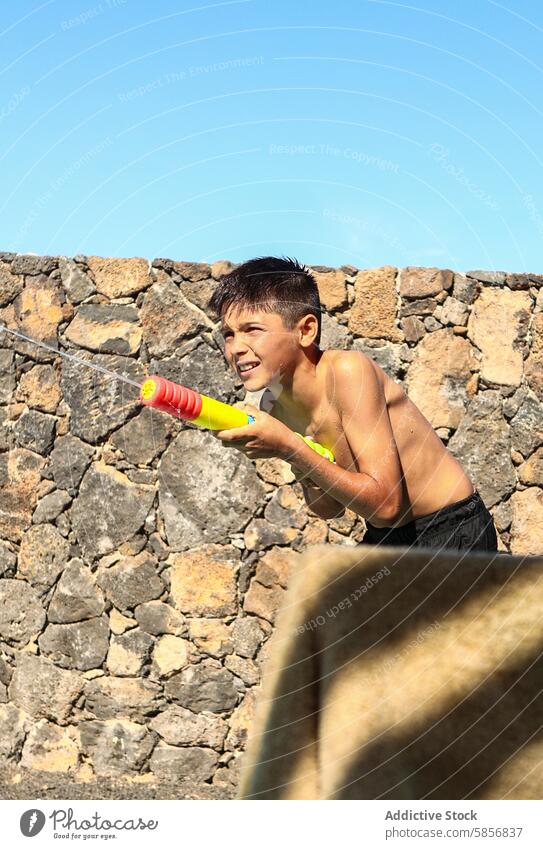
x=248, y=368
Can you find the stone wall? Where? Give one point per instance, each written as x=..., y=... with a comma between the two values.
x=141, y=563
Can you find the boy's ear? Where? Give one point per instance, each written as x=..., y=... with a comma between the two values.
x=309, y=328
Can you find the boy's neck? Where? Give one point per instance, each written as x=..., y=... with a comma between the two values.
x=301, y=394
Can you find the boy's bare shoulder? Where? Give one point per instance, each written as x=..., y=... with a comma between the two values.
x=342, y=364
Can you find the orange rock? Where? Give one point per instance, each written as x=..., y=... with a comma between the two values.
x=203, y=581
x=442, y=361
x=332, y=288
x=527, y=524
x=119, y=277
x=39, y=388
x=533, y=366
x=504, y=315
x=417, y=282
x=373, y=313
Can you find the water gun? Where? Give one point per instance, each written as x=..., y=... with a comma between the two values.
x=201, y=410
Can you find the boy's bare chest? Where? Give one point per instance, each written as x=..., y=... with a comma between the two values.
x=324, y=427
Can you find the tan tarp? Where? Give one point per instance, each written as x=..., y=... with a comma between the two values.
x=398, y=674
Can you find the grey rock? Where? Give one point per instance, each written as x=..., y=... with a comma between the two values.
x=133, y=698
x=511, y=404
x=247, y=636
x=454, y=311
x=523, y=281
x=63, y=524
x=422, y=306
x=76, y=595
x=116, y=746
x=387, y=356
x=406, y=354
x=260, y=534
x=146, y=476
x=42, y=689
x=202, y=369
x=69, y=459
x=33, y=264
x=76, y=282
x=210, y=497
x=168, y=318
x=14, y=726
x=156, y=618
x=413, y=328
x=285, y=516
x=143, y=437
x=7, y=374
x=181, y=727
x=21, y=613
x=4, y=474
x=527, y=425
x=79, y=645
x=51, y=506
x=5, y=672
x=109, y=510
x=199, y=291
x=132, y=581
x=35, y=431
x=482, y=444
x=135, y=545
x=194, y=762
x=8, y=559
x=503, y=516
x=432, y=323
x=195, y=271
x=98, y=403
x=204, y=687
x=157, y=544
x=129, y=652
x=229, y=775
x=334, y=334
x=42, y=556
x=244, y=668
x=496, y=278
x=465, y=288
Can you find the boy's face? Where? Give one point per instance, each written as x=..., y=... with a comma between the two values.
x=260, y=339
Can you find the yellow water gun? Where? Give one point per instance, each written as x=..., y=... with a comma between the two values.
x=201, y=410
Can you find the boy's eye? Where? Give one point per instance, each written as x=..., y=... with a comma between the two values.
x=227, y=333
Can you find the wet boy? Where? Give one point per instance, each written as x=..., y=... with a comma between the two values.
x=391, y=467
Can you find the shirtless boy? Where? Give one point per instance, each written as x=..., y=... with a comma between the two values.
x=391, y=467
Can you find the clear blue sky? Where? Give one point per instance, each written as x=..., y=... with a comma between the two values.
x=353, y=131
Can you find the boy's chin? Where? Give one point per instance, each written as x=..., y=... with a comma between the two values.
x=254, y=384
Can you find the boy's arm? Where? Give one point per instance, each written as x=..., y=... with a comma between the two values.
x=374, y=491
x=318, y=501
x=323, y=505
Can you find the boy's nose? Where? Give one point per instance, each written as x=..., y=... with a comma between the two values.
x=239, y=346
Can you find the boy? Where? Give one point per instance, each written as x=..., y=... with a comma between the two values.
x=391, y=467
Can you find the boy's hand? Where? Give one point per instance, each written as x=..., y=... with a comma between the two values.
x=264, y=438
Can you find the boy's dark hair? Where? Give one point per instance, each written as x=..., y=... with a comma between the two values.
x=271, y=284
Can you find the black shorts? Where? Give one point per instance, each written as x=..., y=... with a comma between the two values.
x=466, y=525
